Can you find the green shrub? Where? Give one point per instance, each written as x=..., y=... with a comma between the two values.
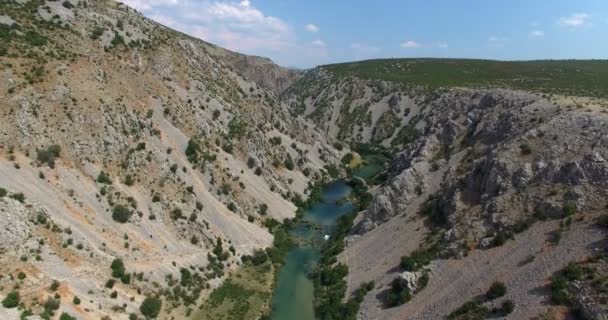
x=49, y=155
x=121, y=214
x=573, y=272
x=65, y=316
x=569, y=209
x=126, y=278
x=18, y=196
x=398, y=294
x=104, y=178
x=176, y=214
x=54, y=285
x=525, y=149
x=347, y=158
x=497, y=290
x=192, y=151
x=470, y=311
x=275, y=141
x=416, y=260
x=151, y=307
x=263, y=209
x=96, y=33
x=129, y=180
x=289, y=163
x=11, y=300
x=559, y=291
x=69, y=5
x=118, y=268
x=76, y=300
x=250, y=163
x=505, y=309
x=3, y=192
x=602, y=220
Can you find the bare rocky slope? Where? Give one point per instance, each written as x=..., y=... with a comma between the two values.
x=125, y=143
x=486, y=185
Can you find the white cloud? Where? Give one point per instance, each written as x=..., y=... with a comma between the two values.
x=410, y=44
x=144, y=5
x=312, y=28
x=575, y=20
x=537, y=33
x=318, y=43
x=443, y=45
x=238, y=26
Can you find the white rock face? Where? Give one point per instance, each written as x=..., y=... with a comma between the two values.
x=410, y=279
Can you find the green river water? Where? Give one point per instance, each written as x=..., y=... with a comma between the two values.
x=294, y=294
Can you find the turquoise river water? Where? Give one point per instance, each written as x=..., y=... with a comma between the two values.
x=294, y=294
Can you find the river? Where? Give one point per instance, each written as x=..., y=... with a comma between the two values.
x=294, y=294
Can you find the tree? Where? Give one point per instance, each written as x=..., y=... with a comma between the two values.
x=11, y=300
x=289, y=163
x=151, y=307
x=118, y=268
x=121, y=214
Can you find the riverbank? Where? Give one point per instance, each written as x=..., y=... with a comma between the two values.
x=301, y=281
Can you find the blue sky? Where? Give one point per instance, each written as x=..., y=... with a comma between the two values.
x=305, y=33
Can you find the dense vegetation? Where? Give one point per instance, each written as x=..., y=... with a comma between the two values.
x=476, y=309
x=574, y=77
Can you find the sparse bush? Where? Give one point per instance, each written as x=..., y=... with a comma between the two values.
x=525, y=149
x=76, y=300
x=49, y=155
x=569, y=209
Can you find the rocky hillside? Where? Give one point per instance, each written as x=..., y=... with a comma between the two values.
x=486, y=185
x=132, y=155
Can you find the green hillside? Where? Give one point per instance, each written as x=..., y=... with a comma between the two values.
x=571, y=77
